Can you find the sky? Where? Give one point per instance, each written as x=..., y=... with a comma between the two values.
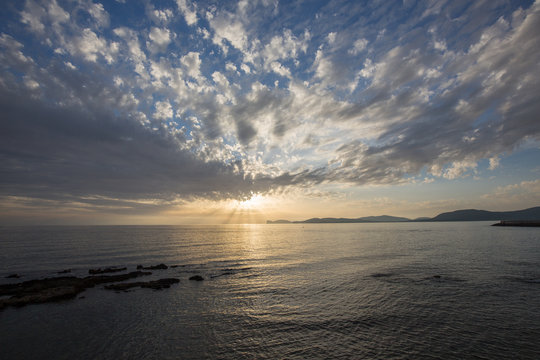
x=190, y=112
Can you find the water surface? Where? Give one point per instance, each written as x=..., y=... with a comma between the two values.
x=295, y=291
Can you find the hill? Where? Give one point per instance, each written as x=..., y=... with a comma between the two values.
x=483, y=215
x=458, y=215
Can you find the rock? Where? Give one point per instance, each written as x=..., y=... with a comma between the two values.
x=437, y=276
x=155, y=285
x=196, y=278
x=13, y=276
x=155, y=267
x=55, y=289
x=106, y=270
x=66, y=271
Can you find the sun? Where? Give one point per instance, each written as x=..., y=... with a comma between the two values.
x=252, y=209
x=253, y=203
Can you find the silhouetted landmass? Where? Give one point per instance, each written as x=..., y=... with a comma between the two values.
x=523, y=223
x=482, y=215
x=367, y=219
x=458, y=215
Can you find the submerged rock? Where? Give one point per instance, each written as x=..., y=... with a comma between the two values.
x=155, y=285
x=196, y=278
x=54, y=289
x=154, y=267
x=13, y=276
x=106, y=270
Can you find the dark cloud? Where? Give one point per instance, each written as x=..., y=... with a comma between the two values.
x=53, y=150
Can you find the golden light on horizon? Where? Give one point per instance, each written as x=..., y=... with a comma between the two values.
x=248, y=210
x=255, y=202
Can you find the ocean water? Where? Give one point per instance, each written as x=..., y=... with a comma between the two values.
x=298, y=291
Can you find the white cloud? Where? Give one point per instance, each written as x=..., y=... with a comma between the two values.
x=220, y=79
x=494, y=163
x=89, y=45
x=99, y=14
x=188, y=10
x=524, y=187
x=331, y=38
x=159, y=39
x=285, y=47
x=192, y=63
x=37, y=17
x=12, y=55
x=204, y=32
x=163, y=110
x=31, y=83
x=136, y=54
x=227, y=27
x=57, y=14
x=280, y=69
x=245, y=68
x=230, y=67
x=358, y=46
x=459, y=169
x=164, y=15
x=32, y=15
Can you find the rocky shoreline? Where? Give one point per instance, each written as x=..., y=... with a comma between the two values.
x=54, y=289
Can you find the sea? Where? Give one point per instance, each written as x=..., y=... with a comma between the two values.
x=445, y=290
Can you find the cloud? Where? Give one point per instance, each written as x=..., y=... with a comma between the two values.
x=494, y=75
x=358, y=46
x=514, y=196
x=526, y=188
x=90, y=46
x=228, y=27
x=67, y=152
x=192, y=63
x=252, y=96
x=285, y=47
x=101, y=17
x=37, y=17
x=163, y=110
x=494, y=163
x=159, y=39
x=188, y=10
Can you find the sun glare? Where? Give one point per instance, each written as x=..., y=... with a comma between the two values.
x=253, y=203
x=248, y=211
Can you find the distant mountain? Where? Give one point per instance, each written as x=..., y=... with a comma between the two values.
x=367, y=219
x=458, y=215
x=482, y=215
x=278, y=222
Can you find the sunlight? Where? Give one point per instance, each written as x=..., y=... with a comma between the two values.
x=255, y=202
x=248, y=211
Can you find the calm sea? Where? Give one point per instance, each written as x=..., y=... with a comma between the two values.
x=328, y=291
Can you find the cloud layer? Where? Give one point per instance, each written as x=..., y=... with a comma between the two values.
x=183, y=100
